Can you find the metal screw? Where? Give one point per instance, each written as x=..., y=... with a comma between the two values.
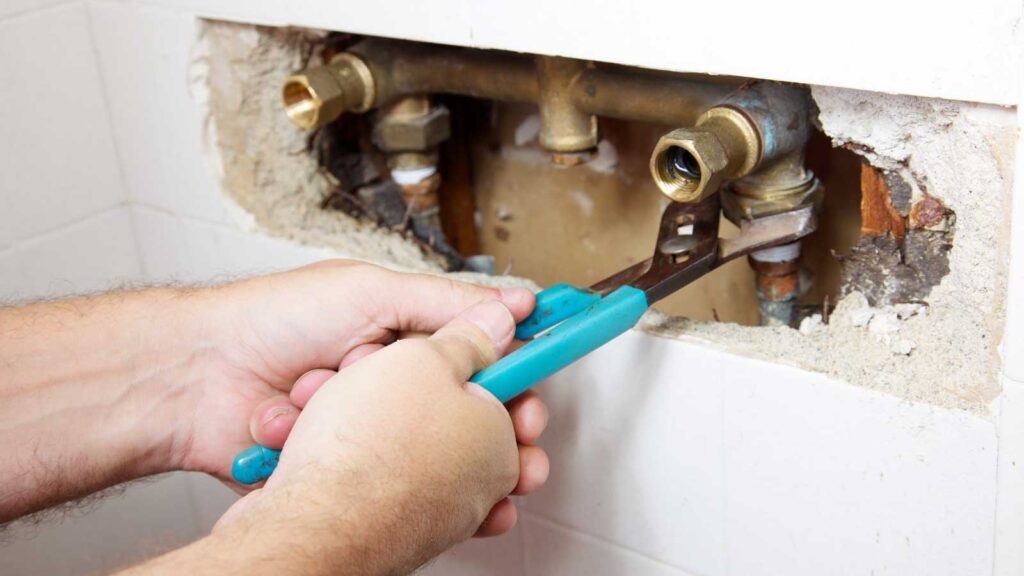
x=678, y=245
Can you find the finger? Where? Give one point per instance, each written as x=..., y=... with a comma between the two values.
x=272, y=421
x=499, y=520
x=529, y=417
x=308, y=384
x=358, y=353
x=533, y=469
x=424, y=303
x=476, y=338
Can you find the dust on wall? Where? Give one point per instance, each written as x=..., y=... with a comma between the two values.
x=943, y=351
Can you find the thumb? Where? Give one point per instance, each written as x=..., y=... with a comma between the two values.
x=476, y=338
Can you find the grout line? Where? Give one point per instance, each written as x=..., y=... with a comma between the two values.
x=69, y=226
x=105, y=94
x=610, y=543
x=1000, y=479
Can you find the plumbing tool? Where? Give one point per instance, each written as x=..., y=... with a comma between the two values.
x=569, y=323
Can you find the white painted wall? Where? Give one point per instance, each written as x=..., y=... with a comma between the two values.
x=667, y=458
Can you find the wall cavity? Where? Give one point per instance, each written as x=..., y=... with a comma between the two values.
x=921, y=314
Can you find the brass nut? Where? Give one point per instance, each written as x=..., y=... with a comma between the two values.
x=411, y=160
x=688, y=164
x=570, y=159
x=317, y=96
x=413, y=132
x=738, y=207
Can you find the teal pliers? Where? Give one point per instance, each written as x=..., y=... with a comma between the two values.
x=569, y=323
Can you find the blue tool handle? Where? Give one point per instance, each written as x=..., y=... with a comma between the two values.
x=555, y=304
x=253, y=464
x=588, y=321
x=571, y=340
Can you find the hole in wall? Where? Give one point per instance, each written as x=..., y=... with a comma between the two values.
x=501, y=196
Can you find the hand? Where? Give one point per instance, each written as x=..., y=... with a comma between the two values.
x=399, y=453
x=267, y=332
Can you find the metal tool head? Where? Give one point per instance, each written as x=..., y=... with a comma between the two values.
x=688, y=246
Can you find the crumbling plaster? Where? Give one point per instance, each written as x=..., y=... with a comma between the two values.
x=942, y=353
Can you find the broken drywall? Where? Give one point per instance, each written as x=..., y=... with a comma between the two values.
x=942, y=351
x=266, y=166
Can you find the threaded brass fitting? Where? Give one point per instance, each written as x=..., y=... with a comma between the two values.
x=317, y=96
x=688, y=164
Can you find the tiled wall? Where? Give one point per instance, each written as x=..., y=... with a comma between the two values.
x=667, y=458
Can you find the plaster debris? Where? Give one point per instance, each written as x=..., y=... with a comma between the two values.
x=584, y=201
x=527, y=130
x=811, y=324
x=266, y=168
x=943, y=352
x=607, y=158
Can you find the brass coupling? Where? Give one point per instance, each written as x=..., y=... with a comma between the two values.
x=782, y=186
x=317, y=96
x=564, y=127
x=748, y=132
x=689, y=164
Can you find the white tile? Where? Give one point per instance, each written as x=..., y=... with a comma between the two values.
x=1009, y=553
x=148, y=518
x=144, y=55
x=182, y=249
x=498, y=556
x=58, y=163
x=20, y=7
x=635, y=442
x=722, y=465
x=98, y=253
x=823, y=478
x=211, y=499
x=554, y=549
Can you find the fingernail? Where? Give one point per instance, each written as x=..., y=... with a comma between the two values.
x=494, y=319
x=277, y=412
x=513, y=296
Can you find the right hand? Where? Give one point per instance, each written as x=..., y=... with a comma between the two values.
x=399, y=452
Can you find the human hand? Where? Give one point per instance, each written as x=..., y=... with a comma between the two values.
x=400, y=448
x=265, y=333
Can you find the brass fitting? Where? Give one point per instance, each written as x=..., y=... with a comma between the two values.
x=563, y=126
x=781, y=186
x=317, y=96
x=688, y=164
x=411, y=124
